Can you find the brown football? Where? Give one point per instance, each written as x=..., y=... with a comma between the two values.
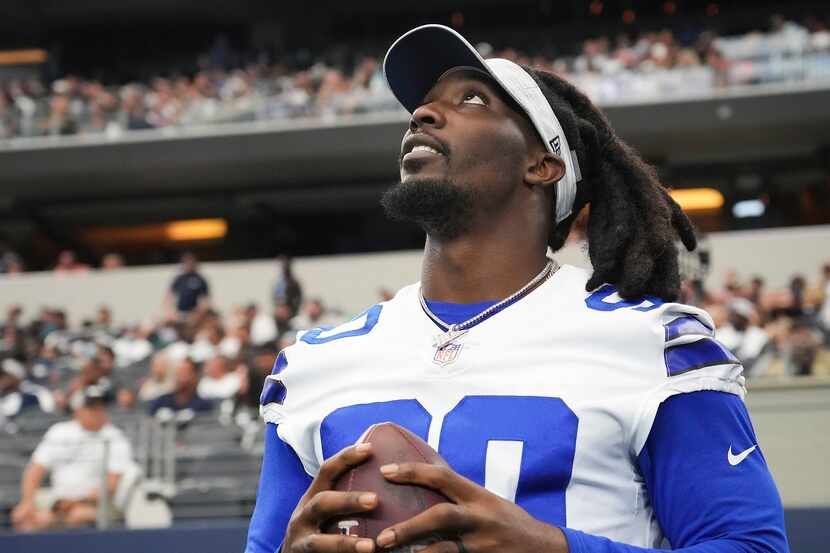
x=396, y=502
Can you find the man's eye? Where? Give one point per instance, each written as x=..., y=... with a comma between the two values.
x=474, y=98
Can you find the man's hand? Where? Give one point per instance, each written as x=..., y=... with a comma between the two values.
x=22, y=511
x=477, y=521
x=320, y=503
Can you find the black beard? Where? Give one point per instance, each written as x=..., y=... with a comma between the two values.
x=443, y=209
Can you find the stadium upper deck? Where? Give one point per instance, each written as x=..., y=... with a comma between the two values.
x=654, y=67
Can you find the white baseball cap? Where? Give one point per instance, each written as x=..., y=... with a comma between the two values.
x=422, y=56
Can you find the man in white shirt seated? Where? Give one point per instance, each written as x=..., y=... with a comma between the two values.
x=72, y=452
x=742, y=335
x=219, y=380
x=17, y=395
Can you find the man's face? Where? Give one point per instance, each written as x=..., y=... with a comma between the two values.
x=216, y=367
x=189, y=263
x=8, y=382
x=482, y=145
x=186, y=376
x=92, y=417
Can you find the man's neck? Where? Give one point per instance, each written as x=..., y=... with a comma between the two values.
x=476, y=268
x=183, y=397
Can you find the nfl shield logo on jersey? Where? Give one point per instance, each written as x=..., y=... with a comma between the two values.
x=447, y=354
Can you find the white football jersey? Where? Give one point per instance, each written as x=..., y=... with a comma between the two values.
x=546, y=403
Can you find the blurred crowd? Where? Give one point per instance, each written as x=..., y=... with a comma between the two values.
x=191, y=357
x=610, y=69
x=194, y=360
x=194, y=357
x=774, y=332
x=66, y=263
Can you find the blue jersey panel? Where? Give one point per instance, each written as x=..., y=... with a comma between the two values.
x=282, y=483
x=709, y=494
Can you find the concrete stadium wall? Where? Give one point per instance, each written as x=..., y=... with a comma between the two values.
x=791, y=421
x=351, y=282
x=807, y=529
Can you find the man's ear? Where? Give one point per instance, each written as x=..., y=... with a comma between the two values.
x=544, y=169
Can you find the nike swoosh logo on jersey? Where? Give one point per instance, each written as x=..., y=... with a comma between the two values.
x=737, y=459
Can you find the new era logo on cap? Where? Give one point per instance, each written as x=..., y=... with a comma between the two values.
x=556, y=145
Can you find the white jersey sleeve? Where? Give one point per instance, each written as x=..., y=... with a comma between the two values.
x=693, y=360
x=303, y=377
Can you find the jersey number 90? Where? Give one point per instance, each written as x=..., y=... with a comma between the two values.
x=519, y=447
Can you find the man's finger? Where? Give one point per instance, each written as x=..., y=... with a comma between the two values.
x=326, y=504
x=452, y=546
x=332, y=543
x=336, y=465
x=437, y=477
x=444, y=519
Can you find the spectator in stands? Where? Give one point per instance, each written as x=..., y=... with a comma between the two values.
x=804, y=344
x=8, y=126
x=124, y=394
x=184, y=395
x=314, y=315
x=283, y=320
x=264, y=325
x=112, y=261
x=91, y=374
x=219, y=380
x=103, y=320
x=797, y=349
x=236, y=341
x=68, y=263
x=189, y=288
x=12, y=341
x=133, y=346
x=756, y=290
x=133, y=114
x=11, y=263
x=798, y=287
x=159, y=382
x=13, y=314
x=288, y=289
x=824, y=309
x=207, y=342
x=105, y=358
x=72, y=453
x=60, y=121
x=742, y=335
x=15, y=396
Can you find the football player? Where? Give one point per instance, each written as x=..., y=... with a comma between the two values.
x=578, y=411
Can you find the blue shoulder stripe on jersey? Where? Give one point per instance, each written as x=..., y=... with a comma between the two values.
x=273, y=391
x=696, y=355
x=280, y=363
x=685, y=326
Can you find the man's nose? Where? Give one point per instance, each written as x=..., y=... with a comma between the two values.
x=428, y=114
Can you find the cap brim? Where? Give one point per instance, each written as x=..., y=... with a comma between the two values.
x=416, y=61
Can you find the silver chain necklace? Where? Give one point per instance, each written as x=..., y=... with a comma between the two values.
x=454, y=331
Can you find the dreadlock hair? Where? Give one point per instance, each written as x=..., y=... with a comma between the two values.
x=633, y=221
